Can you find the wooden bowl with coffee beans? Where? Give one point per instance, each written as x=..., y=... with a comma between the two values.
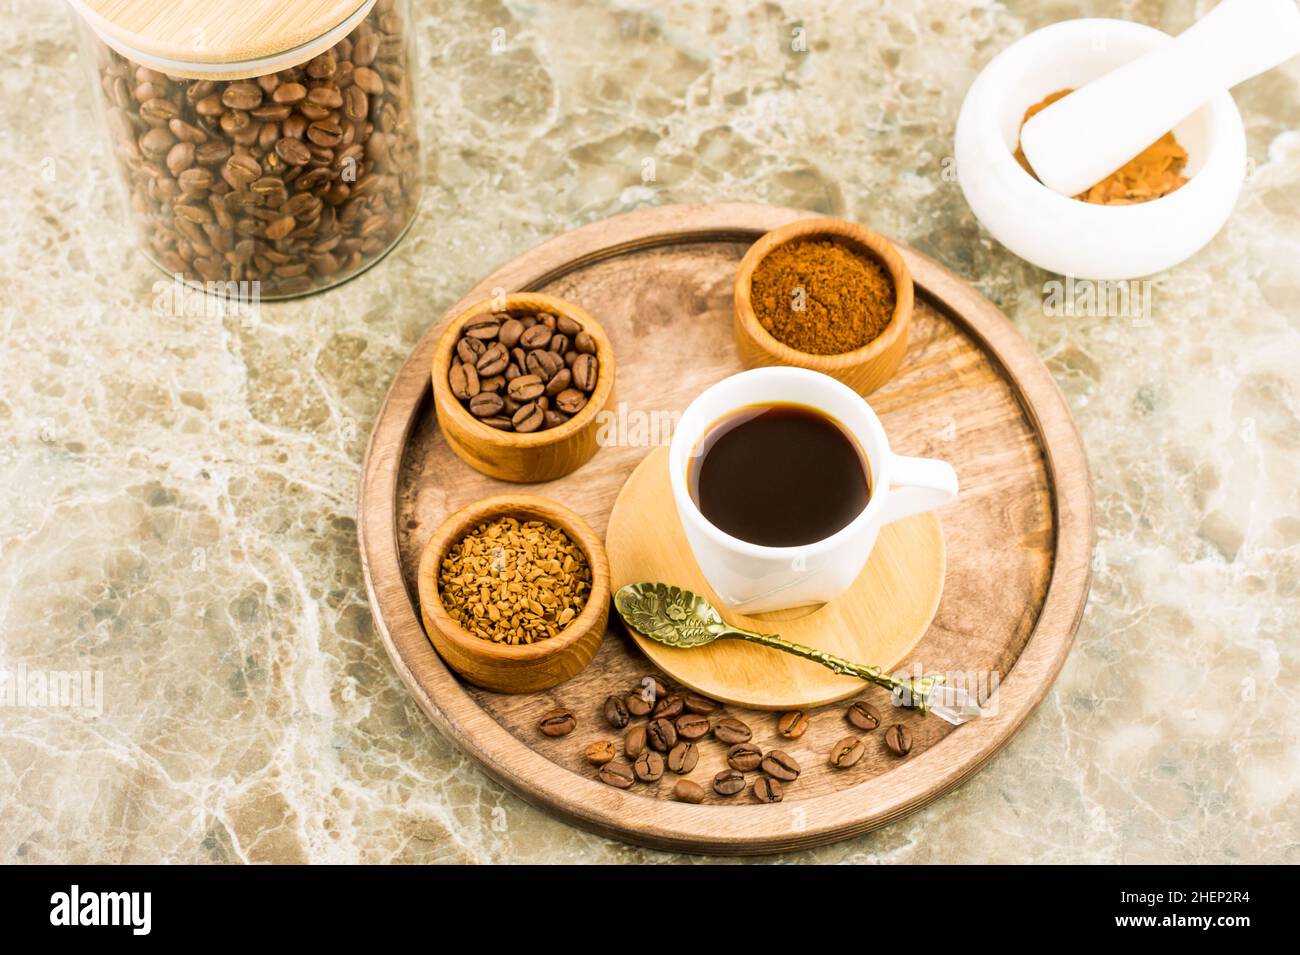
x=828, y=295
x=514, y=592
x=518, y=382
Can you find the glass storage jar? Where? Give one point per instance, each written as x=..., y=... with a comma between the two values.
x=272, y=144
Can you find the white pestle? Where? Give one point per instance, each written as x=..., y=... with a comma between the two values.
x=1081, y=139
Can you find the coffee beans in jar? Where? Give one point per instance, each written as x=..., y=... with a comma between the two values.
x=289, y=181
x=523, y=371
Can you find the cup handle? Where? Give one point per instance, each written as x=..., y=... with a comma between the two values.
x=918, y=485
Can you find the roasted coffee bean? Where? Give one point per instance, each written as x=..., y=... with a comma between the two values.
x=484, y=329
x=661, y=735
x=780, y=765
x=731, y=730
x=559, y=382
x=728, y=782
x=468, y=350
x=637, y=705
x=649, y=766
x=651, y=688
x=289, y=94
x=695, y=703
x=692, y=726
x=463, y=381
x=585, y=372
x=570, y=401
x=767, y=789
x=600, y=752
x=511, y=329
x=634, y=742
x=292, y=151
x=683, y=757
x=863, y=716
x=670, y=707
x=539, y=336
x=618, y=775
x=898, y=738
x=846, y=752
x=543, y=364
x=792, y=725
x=493, y=361
x=241, y=95
x=485, y=404
x=557, y=722
x=525, y=388
x=584, y=343
x=567, y=326
x=615, y=710
x=528, y=418
x=745, y=757
x=688, y=791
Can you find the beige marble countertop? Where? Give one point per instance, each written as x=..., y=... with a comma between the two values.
x=177, y=496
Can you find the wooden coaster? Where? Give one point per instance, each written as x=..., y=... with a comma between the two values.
x=878, y=621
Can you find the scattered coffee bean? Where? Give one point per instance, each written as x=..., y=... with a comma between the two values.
x=557, y=722
x=618, y=775
x=863, y=716
x=692, y=726
x=652, y=688
x=687, y=791
x=616, y=714
x=600, y=752
x=683, y=757
x=522, y=383
x=637, y=705
x=731, y=730
x=744, y=757
x=899, y=739
x=767, y=790
x=699, y=704
x=792, y=725
x=634, y=741
x=728, y=782
x=649, y=766
x=669, y=708
x=780, y=765
x=846, y=752
x=661, y=734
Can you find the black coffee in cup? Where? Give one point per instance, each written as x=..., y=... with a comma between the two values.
x=779, y=475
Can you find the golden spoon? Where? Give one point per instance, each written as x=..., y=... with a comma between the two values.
x=677, y=617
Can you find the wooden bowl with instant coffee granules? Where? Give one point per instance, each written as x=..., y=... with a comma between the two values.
x=828, y=295
x=514, y=592
x=524, y=408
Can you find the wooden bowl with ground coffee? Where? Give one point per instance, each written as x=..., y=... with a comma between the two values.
x=514, y=592
x=827, y=295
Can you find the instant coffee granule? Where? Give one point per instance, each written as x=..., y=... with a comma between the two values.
x=512, y=582
x=821, y=297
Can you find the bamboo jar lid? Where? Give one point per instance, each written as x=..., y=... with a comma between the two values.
x=221, y=39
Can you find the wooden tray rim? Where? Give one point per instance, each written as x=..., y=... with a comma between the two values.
x=739, y=829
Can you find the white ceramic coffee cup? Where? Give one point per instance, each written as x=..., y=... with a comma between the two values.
x=752, y=578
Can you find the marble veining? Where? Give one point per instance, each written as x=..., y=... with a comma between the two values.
x=178, y=485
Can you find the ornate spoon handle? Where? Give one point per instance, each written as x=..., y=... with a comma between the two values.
x=918, y=690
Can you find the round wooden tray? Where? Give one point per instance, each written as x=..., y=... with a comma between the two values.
x=970, y=390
